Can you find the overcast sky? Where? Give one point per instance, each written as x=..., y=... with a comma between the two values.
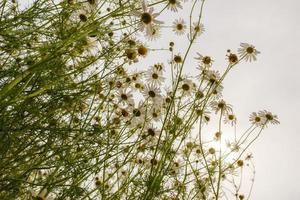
x=272, y=83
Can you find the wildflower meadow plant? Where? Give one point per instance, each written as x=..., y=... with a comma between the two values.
x=82, y=118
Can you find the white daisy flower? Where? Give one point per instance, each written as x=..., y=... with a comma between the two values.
x=268, y=117
x=154, y=76
x=256, y=119
x=152, y=92
x=80, y=15
x=248, y=51
x=154, y=34
x=205, y=61
x=186, y=87
x=125, y=96
x=137, y=86
x=221, y=105
x=217, y=92
x=137, y=115
x=179, y=26
x=175, y=167
x=230, y=118
x=204, y=115
x=123, y=112
x=232, y=58
x=173, y=5
x=151, y=131
x=210, y=76
x=156, y=113
x=42, y=195
x=147, y=18
x=197, y=30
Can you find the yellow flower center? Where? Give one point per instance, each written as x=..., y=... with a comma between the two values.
x=179, y=27
x=250, y=50
x=146, y=18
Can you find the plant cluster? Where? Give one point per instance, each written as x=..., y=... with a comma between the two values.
x=76, y=122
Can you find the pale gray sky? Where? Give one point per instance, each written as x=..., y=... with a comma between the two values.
x=272, y=83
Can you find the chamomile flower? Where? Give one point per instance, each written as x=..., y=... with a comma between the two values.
x=173, y=5
x=175, y=167
x=203, y=115
x=151, y=131
x=154, y=76
x=256, y=119
x=222, y=106
x=152, y=92
x=138, y=85
x=177, y=59
x=197, y=30
x=80, y=16
x=248, y=51
x=179, y=26
x=268, y=117
x=167, y=99
x=230, y=118
x=138, y=114
x=205, y=61
x=42, y=195
x=125, y=97
x=217, y=92
x=139, y=160
x=186, y=87
x=147, y=18
x=155, y=113
x=154, y=34
x=123, y=112
x=211, y=76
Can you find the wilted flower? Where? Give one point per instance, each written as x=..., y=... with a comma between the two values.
x=177, y=59
x=232, y=58
x=142, y=50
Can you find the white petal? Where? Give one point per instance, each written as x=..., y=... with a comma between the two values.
x=144, y=5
